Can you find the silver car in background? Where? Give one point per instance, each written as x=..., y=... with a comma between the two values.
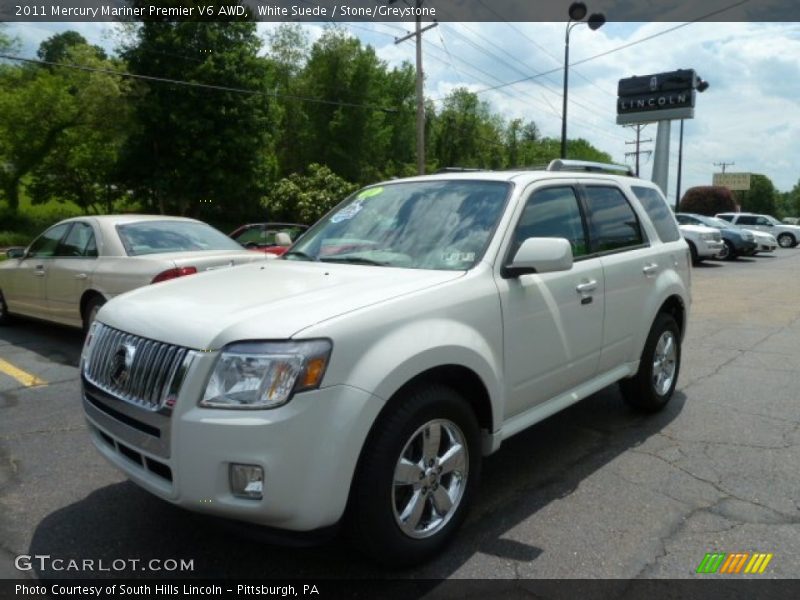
x=77, y=265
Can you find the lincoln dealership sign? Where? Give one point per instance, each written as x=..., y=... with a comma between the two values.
x=658, y=97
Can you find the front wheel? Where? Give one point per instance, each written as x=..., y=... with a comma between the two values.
x=786, y=240
x=5, y=318
x=419, y=471
x=693, y=251
x=653, y=385
x=728, y=252
x=90, y=312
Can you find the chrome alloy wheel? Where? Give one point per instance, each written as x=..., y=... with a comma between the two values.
x=430, y=478
x=664, y=363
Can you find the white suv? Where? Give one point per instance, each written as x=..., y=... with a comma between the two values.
x=788, y=236
x=403, y=337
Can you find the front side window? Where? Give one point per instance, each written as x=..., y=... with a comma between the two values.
x=552, y=212
x=612, y=223
x=46, y=244
x=157, y=237
x=656, y=208
x=79, y=242
x=443, y=224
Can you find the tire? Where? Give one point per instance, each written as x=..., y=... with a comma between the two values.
x=653, y=385
x=90, y=311
x=693, y=251
x=391, y=481
x=5, y=317
x=786, y=240
x=729, y=253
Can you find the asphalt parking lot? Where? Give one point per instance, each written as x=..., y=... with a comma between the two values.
x=596, y=491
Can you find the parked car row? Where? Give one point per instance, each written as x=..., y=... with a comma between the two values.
x=730, y=235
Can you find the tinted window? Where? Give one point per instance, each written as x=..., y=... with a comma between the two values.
x=552, y=212
x=265, y=236
x=746, y=220
x=79, y=242
x=612, y=223
x=656, y=208
x=155, y=237
x=45, y=245
x=728, y=218
x=684, y=220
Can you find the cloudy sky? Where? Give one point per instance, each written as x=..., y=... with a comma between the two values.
x=748, y=116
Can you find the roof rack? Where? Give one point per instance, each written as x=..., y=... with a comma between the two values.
x=459, y=170
x=561, y=164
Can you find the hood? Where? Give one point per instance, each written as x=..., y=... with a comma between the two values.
x=273, y=299
x=698, y=228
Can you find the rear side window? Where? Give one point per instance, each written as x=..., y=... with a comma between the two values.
x=728, y=218
x=747, y=220
x=612, y=223
x=79, y=242
x=656, y=208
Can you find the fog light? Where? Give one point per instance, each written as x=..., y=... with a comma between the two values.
x=247, y=481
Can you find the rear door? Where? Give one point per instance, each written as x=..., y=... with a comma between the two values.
x=71, y=272
x=552, y=322
x=630, y=266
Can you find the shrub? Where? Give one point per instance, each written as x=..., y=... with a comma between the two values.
x=305, y=198
x=708, y=200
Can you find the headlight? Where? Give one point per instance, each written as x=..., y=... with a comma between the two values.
x=265, y=374
x=748, y=236
x=86, y=353
x=707, y=236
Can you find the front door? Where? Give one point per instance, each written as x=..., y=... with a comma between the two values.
x=552, y=322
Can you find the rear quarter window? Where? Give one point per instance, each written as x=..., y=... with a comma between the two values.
x=656, y=208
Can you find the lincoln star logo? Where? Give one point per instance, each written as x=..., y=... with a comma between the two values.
x=121, y=364
x=653, y=84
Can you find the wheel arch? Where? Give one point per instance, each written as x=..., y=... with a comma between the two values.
x=87, y=297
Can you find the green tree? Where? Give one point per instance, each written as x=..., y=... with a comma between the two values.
x=306, y=198
x=196, y=150
x=57, y=47
x=81, y=167
x=760, y=198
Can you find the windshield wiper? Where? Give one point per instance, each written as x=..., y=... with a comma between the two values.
x=354, y=260
x=300, y=254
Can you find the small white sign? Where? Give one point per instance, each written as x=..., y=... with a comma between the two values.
x=733, y=181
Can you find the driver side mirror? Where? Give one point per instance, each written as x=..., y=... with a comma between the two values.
x=540, y=255
x=16, y=252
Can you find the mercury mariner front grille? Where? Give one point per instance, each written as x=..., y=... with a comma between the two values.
x=135, y=369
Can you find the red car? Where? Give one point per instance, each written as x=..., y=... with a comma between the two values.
x=267, y=237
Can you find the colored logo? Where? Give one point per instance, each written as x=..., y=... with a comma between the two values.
x=735, y=563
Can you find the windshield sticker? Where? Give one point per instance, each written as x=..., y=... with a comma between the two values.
x=370, y=192
x=451, y=257
x=347, y=213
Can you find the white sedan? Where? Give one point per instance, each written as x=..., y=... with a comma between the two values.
x=766, y=241
x=73, y=268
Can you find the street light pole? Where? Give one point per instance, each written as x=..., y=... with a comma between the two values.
x=577, y=12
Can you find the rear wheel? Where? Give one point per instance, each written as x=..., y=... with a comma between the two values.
x=653, y=385
x=786, y=240
x=418, y=474
x=90, y=311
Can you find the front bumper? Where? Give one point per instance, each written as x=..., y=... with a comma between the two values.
x=307, y=448
x=709, y=248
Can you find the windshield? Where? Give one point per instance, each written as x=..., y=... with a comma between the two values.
x=714, y=222
x=773, y=220
x=417, y=225
x=156, y=237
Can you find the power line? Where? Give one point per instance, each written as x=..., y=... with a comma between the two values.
x=209, y=86
x=618, y=48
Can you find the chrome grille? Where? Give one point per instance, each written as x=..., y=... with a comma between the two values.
x=133, y=368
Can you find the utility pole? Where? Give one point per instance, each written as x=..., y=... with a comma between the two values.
x=420, y=89
x=639, y=127
x=723, y=165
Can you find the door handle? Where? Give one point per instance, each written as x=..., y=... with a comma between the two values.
x=38, y=270
x=81, y=276
x=586, y=286
x=650, y=269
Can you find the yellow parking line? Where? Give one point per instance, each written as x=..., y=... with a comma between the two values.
x=24, y=378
